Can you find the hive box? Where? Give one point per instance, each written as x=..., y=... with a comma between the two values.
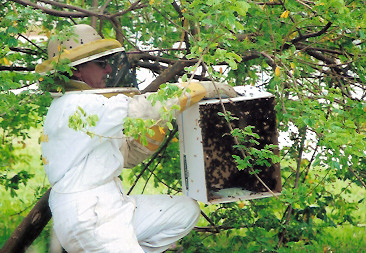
x=209, y=172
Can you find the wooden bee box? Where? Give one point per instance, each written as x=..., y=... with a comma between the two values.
x=209, y=172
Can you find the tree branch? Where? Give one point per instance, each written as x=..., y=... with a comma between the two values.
x=155, y=155
x=216, y=229
x=358, y=178
x=16, y=68
x=93, y=19
x=312, y=35
x=289, y=208
x=167, y=75
x=67, y=6
x=306, y=5
x=265, y=3
x=24, y=50
x=79, y=12
x=53, y=12
x=132, y=7
x=31, y=42
x=154, y=67
x=180, y=13
x=326, y=50
x=29, y=228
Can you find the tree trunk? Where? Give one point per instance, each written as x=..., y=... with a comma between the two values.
x=30, y=228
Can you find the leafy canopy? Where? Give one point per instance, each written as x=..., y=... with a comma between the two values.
x=310, y=54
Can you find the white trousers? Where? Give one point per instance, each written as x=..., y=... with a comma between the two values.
x=105, y=220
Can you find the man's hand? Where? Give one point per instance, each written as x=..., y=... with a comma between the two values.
x=223, y=89
x=196, y=91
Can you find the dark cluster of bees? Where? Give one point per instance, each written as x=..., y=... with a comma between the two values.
x=220, y=168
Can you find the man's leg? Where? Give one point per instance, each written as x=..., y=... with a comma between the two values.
x=99, y=220
x=161, y=220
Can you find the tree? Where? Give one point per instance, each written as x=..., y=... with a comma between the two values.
x=310, y=54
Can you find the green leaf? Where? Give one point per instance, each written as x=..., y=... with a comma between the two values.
x=242, y=7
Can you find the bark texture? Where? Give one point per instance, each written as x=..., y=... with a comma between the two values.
x=30, y=228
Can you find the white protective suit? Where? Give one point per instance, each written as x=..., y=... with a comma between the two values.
x=90, y=211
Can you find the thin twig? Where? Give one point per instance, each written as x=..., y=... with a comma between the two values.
x=217, y=230
x=306, y=5
x=31, y=42
x=162, y=182
x=156, y=154
x=290, y=208
x=359, y=179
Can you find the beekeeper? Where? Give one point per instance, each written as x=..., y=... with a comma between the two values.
x=91, y=212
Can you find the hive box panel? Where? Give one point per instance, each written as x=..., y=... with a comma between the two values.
x=209, y=172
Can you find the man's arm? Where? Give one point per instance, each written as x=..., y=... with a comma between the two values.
x=133, y=150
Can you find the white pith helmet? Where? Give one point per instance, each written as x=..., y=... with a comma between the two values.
x=86, y=45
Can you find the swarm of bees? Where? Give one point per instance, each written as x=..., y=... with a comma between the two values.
x=220, y=167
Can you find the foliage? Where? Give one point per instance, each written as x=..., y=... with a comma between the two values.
x=164, y=171
x=81, y=121
x=309, y=54
x=140, y=128
x=251, y=155
x=15, y=208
